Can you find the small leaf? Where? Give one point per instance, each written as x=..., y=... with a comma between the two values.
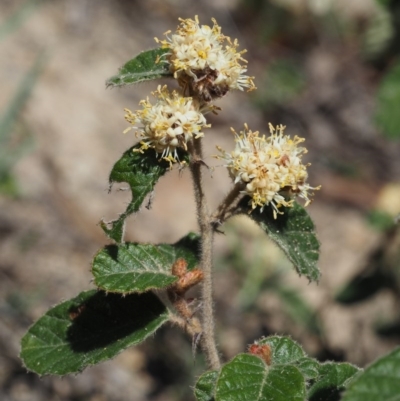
x=284, y=350
x=205, y=386
x=388, y=99
x=332, y=380
x=131, y=267
x=140, y=171
x=247, y=377
x=380, y=381
x=309, y=367
x=144, y=67
x=88, y=329
x=294, y=233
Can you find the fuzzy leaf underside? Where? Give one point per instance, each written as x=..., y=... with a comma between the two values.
x=145, y=66
x=88, y=329
x=129, y=267
x=380, y=381
x=293, y=231
x=140, y=171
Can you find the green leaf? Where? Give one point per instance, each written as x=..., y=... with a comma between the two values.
x=89, y=329
x=387, y=116
x=379, y=382
x=205, y=386
x=140, y=171
x=333, y=379
x=326, y=381
x=294, y=233
x=309, y=367
x=131, y=267
x=247, y=377
x=144, y=67
x=284, y=350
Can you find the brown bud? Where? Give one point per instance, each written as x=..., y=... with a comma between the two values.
x=187, y=281
x=261, y=350
x=179, y=268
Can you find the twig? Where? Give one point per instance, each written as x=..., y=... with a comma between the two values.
x=226, y=207
x=207, y=233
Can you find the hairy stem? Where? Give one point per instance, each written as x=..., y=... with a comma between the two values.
x=224, y=209
x=207, y=237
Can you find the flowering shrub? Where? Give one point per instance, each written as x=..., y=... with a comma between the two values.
x=268, y=175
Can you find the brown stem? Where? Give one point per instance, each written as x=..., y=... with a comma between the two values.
x=207, y=237
x=226, y=206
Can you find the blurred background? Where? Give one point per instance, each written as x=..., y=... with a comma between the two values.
x=328, y=69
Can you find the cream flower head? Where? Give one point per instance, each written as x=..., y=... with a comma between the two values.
x=205, y=61
x=169, y=124
x=270, y=169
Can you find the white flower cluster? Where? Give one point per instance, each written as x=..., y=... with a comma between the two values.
x=168, y=124
x=205, y=61
x=207, y=65
x=270, y=169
